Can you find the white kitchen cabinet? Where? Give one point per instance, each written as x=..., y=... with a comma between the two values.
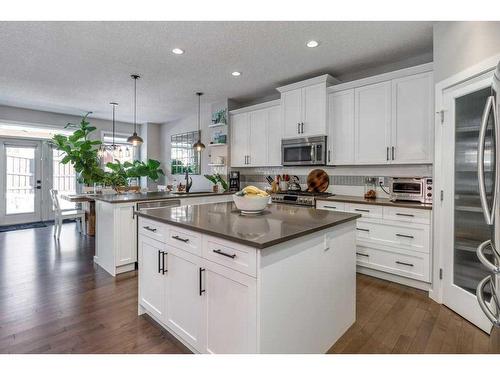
x=230, y=310
x=304, y=107
x=184, y=307
x=412, y=119
x=372, y=123
x=257, y=145
x=151, y=276
x=341, y=128
x=256, y=136
x=239, y=139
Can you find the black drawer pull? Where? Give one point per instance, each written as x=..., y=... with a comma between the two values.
x=164, y=270
x=363, y=255
x=361, y=210
x=408, y=215
x=150, y=229
x=404, y=264
x=363, y=230
x=180, y=239
x=219, y=251
x=159, y=261
x=201, y=290
x=330, y=207
x=404, y=235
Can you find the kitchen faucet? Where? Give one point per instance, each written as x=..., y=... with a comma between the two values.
x=189, y=181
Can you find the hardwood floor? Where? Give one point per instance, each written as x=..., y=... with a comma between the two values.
x=54, y=300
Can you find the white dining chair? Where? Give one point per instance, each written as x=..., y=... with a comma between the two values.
x=68, y=213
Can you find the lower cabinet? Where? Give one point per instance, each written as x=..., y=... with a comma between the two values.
x=230, y=310
x=151, y=276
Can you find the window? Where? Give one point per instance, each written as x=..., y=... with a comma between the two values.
x=182, y=155
x=123, y=151
x=63, y=179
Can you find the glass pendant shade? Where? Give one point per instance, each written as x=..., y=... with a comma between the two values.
x=199, y=146
x=134, y=139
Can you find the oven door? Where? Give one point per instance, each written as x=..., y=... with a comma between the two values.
x=303, y=154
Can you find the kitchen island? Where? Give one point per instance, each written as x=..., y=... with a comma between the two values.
x=116, y=224
x=280, y=282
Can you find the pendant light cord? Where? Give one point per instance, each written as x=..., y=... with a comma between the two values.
x=135, y=104
x=199, y=105
x=113, y=126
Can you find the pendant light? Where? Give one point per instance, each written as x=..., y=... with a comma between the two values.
x=134, y=138
x=198, y=145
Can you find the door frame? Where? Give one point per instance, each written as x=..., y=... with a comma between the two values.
x=37, y=215
x=440, y=212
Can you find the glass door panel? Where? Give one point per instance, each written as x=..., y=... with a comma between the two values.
x=21, y=182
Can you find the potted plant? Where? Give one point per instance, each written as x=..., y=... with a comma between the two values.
x=122, y=174
x=217, y=179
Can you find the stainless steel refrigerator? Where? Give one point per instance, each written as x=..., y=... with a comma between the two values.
x=488, y=174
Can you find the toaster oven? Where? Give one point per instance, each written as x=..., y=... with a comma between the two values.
x=418, y=189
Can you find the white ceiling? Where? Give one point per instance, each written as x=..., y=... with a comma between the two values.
x=72, y=67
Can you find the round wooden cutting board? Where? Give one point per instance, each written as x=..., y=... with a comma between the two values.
x=317, y=181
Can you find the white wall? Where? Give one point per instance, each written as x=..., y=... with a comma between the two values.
x=151, y=148
x=18, y=115
x=459, y=45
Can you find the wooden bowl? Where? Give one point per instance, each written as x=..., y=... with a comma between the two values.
x=317, y=181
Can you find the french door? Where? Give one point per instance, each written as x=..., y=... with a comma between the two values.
x=20, y=181
x=463, y=226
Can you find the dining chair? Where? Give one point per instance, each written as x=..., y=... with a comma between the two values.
x=68, y=213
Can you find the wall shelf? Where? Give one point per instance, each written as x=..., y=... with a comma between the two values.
x=216, y=125
x=217, y=144
x=216, y=165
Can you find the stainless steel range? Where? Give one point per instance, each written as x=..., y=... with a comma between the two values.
x=300, y=198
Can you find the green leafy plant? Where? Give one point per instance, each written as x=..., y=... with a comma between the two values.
x=217, y=178
x=81, y=152
x=121, y=173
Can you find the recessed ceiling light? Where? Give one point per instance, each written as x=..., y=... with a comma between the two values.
x=177, y=51
x=312, y=44
x=236, y=74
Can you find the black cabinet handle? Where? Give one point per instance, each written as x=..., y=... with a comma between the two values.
x=150, y=229
x=298, y=128
x=363, y=255
x=404, y=264
x=392, y=152
x=180, y=239
x=363, y=230
x=329, y=153
x=404, y=235
x=361, y=210
x=301, y=128
x=387, y=154
x=400, y=214
x=334, y=207
x=164, y=270
x=159, y=261
x=219, y=251
x=201, y=284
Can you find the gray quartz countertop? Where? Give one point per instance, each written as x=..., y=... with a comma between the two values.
x=149, y=196
x=277, y=224
x=377, y=201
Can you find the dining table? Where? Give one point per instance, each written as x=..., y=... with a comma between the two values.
x=88, y=203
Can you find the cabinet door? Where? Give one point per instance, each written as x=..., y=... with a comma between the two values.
x=274, y=134
x=151, y=278
x=125, y=235
x=230, y=311
x=291, y=112
x=257, y=138
x=239, y=139
x=341, y=128
x=372, y=123
x=314, y=110
x=412, y=119
x=184, y=305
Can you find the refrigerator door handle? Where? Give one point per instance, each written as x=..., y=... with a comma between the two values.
x=480, y=254
x=487, y=211
x=493, y=318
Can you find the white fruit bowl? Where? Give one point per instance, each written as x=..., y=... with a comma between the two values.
x=250, y=204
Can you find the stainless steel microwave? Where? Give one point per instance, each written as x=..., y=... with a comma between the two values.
x=417, y=189
x=304, y=151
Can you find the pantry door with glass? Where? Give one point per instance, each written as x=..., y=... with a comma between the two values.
x=21, y=182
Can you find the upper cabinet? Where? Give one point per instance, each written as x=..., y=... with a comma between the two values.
x=256, y=135
x=382, y=120
x=304, y=107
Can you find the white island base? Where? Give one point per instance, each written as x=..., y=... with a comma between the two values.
x=297, y=296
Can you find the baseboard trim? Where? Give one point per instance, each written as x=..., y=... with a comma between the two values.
x=394, y=278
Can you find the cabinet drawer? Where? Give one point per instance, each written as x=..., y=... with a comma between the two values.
x=415, y=265
x=184, y=239
x=238, y=257
x=330, y=205
x=152, y=229
x=413, y=237
x=409, y=215
x=365, y=210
